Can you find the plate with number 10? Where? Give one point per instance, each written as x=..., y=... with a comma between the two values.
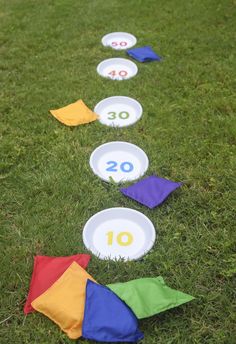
x=119, y=40
x=118, y=111
x=119, y=233
x=117, y=69
x=119, y=161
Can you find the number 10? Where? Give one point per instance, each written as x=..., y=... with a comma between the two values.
x=120, y=238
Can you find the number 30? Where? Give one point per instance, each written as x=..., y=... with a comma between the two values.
x=121, y=115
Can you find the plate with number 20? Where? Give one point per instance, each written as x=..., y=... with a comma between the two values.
x=119, y=161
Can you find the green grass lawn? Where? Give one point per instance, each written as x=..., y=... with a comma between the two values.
x=50, y=50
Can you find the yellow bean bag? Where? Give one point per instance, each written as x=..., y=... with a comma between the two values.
x=64, y=301
x=75, y=114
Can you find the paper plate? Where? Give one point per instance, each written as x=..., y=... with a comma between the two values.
x=118, y=111
x=119, y=233
x=117, y=69
x=119, y=161
x=119, y=40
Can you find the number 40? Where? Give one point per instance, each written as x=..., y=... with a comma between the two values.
x=121, y=73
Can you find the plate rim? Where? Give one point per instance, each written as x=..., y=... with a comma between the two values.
x=119, y=142
x=124, y=97
x=118, y=32
x=117, y=58
x=102, y=257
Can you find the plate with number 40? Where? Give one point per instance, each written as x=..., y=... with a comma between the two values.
x=118, y=111
x=119, y=161
x=117, y=69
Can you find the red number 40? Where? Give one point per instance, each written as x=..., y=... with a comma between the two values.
x=122, y=73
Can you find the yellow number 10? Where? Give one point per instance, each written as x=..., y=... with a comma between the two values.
x=120, y=238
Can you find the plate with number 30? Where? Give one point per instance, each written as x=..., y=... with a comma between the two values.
x=118, y=111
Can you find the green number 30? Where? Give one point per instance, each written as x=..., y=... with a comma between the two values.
x=121, y=115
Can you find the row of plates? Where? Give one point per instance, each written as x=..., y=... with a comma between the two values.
x=118, y=68
x=118, y=233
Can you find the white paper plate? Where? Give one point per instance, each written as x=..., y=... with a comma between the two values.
x=118, y=111
x=119, y=161
x=119, y=233
x=117, y=69
x=119, y=40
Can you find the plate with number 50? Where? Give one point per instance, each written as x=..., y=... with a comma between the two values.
x=119, y=40
x=119, y=162
x=118, y=111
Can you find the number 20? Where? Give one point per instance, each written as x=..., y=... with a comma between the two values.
x=125, y=166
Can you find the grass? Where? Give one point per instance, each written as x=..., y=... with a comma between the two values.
x=50, y=50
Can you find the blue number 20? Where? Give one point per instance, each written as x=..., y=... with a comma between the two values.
x=125, y=166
